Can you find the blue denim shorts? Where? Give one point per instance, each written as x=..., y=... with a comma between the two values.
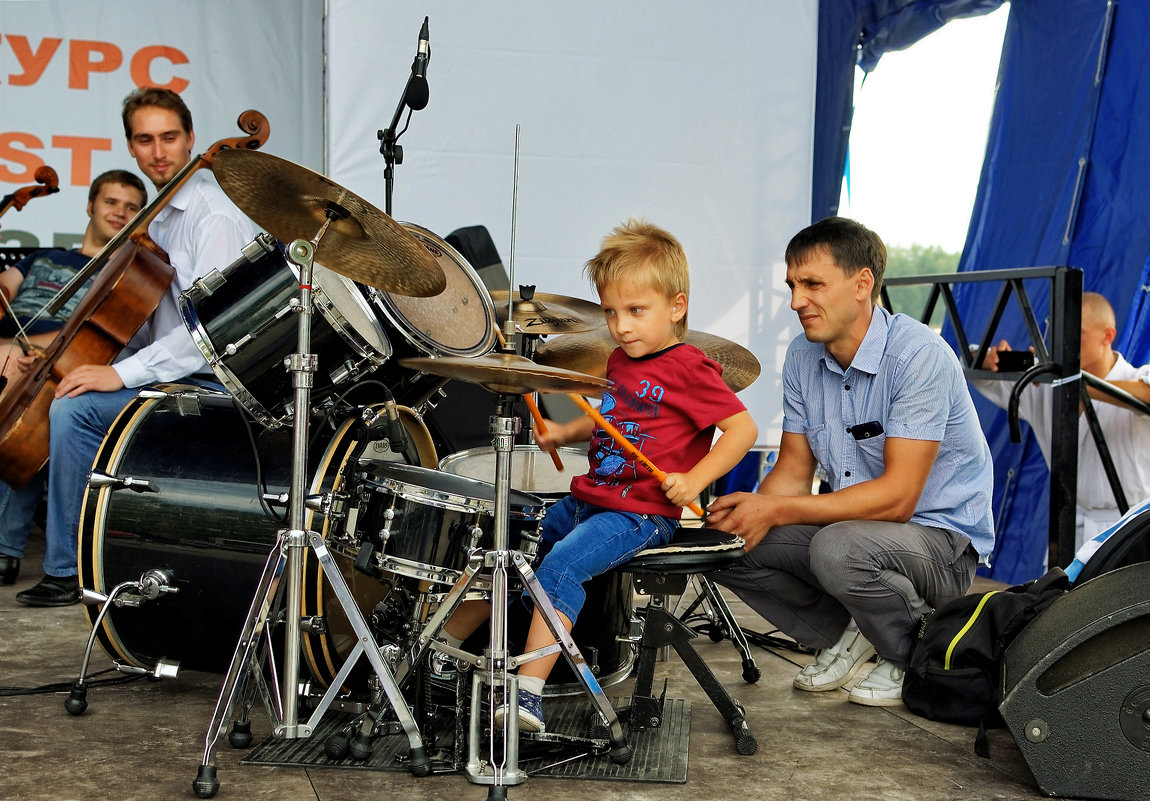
x=586, y=541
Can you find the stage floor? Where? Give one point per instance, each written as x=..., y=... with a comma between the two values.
x=144, y=740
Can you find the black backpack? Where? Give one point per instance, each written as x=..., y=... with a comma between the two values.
x=955, y=670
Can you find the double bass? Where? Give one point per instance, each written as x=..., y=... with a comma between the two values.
x=136, y=275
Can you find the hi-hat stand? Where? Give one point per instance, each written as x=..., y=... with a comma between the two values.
x=248, y=664
x=493, y=680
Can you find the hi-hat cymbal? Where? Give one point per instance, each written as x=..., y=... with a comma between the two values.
x=362, y=243
x=549, y=314
x=508, y=374
x=588, y=353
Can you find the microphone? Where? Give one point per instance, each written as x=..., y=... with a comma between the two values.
x=396, y=434
x=417, y=93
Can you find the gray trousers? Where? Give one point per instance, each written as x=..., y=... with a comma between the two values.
x=809, y=581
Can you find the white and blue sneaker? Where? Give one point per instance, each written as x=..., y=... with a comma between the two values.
x=530, y=712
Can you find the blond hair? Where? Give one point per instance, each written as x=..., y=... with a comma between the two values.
x=646, y=255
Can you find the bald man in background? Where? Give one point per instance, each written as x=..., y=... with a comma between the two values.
x=1127, y=432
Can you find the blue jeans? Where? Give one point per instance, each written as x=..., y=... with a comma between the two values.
x=17, y=508
x=587, y=541
x=77, y=427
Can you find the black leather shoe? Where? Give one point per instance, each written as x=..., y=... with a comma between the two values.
x=52, y=591
x=9, y=568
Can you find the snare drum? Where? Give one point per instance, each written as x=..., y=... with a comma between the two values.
x=531, y=468
x=244, y=321
x=194, y=507
x=425, y=523
x=460, y=321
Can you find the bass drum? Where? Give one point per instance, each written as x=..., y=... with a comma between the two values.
x=176, y=487
x=607, y=612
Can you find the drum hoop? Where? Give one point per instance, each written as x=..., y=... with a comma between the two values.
x=451, y=463
x=227, y=377
x=345, y=327
x=452, y=501
x=417, y=338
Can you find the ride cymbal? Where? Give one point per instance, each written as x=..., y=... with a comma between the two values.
x=588, y=353
x=508, y=373
x=362, y=243
x=549, y=314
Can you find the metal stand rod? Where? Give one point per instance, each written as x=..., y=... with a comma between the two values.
x=288, y=554
x=501, y=767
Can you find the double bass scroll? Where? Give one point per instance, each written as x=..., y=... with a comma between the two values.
x=47, y=183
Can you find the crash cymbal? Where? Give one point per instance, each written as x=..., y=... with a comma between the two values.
x=588, y=352
x=509, y=374
x=362, y=243
x=549, y=314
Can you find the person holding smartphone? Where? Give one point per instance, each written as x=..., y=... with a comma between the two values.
x=880, y=403
x=1127, y=431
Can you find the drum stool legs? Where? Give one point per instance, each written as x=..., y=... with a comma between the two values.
x=664, y=571
x=721, y=622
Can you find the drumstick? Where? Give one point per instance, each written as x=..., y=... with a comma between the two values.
x=538, y=418
x=590, y=411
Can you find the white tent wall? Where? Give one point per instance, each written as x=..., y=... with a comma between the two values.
x=66, y=65
x=697, y=117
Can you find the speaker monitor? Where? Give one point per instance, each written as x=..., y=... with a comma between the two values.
x=1077, y=689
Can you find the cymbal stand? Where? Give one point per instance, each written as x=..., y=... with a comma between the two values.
x=501, y=767
x=288, y=553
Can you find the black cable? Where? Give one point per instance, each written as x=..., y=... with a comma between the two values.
x=261, y=484
x=66, y=686
x=701, y=624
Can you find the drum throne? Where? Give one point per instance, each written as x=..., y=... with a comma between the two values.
x=691, y=556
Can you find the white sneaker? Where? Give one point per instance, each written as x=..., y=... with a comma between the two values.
x=834, y=666
x=881, y=687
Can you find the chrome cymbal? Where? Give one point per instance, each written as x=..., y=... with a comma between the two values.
x=549, y=314
x=588, y=353
x=362, y=243
x=508, y=374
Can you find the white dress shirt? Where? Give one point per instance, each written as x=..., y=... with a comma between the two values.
x=201, y=230
x=1127, y=437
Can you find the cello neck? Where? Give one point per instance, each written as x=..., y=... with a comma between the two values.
x=251, y=121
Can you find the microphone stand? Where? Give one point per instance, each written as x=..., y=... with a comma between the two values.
x=389, y=137
x=391, y=150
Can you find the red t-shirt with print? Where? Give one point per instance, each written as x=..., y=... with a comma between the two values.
x=666, y=404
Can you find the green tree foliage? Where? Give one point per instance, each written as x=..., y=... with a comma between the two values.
x=917, y=260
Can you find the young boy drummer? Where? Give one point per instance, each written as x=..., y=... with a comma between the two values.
x=667, y=398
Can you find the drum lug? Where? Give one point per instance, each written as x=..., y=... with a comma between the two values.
x=343, y=372
x=232, y=348
x=259, y=247
x=209, y=283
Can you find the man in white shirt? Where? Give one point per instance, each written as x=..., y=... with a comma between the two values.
x=200, y=229
x=1127, y=432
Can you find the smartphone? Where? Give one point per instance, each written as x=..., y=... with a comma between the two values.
x=866, y=430
x=1015, y=361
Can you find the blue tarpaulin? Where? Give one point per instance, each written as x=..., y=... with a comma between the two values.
x=1063, y=183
